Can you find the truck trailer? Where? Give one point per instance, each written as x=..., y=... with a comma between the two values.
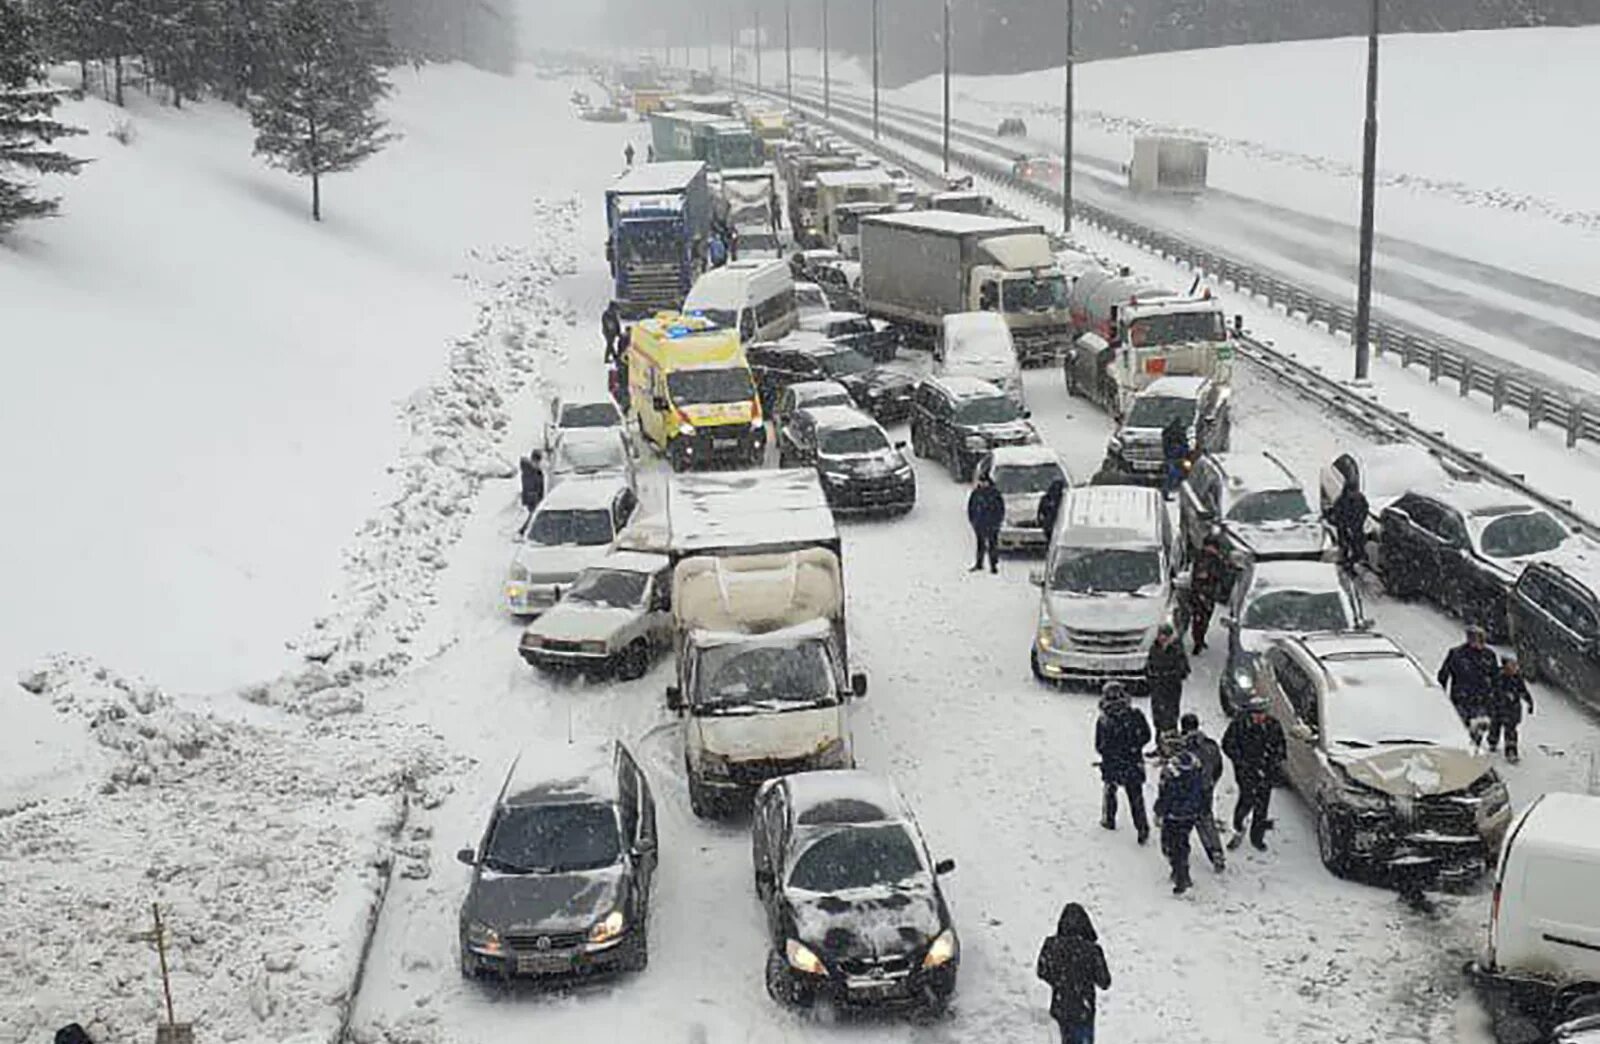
x=1168, y=166
x=658, y=218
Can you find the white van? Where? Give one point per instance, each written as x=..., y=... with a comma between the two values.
x=978, y=344
x=1544, y=919
x=752, y=296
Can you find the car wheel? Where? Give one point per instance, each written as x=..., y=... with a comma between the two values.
x=1333, y=842
x=781, y=986
x=634, y=661
x=1038, y=673
x=934, y=1006
x=676, y=458
x=469, y=967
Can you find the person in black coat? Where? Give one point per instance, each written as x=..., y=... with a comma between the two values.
x=1050, y=507
x=1073, y=965
x=1205, y=748
x=1208, y=585
x=1167, y=666
x=1119, y=739
x=611, y=329
x=1505, y=707
x=1174, y=454
x=1469, y=673
x=1254, y=743
x=1180, y=802
x=1348, y=516
x=532, y=470
x=986, y=510
x=627, y=153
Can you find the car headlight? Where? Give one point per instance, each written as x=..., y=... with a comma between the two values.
x=483, y=939
x=976, y=442
x=836, y=476
x=686, y=429
x=1495, y=799
x=607, y=928
x=713, y=764
x=519, y=574
x=943, y=951
x=1362, y=801
x=873, y=393
x=801, y=959
x=532, y=641
x=904, y=470
x=593, y=646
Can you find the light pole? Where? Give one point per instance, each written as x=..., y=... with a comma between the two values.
x=788, y=51
x=827, y=76
x=1066, y=142
x=947, y=88
x=1369, y=174
x=756, y=43
x=733, y=46
x=875, y=134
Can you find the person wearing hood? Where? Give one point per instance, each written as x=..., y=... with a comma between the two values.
x=532, y=470
x=1505, y=707
x=1166, y=667
x=1119, y=738
x=611, y=330
x=1205, y=748
x=1348, y=516
x=1050, y=507
x=1180, y=802
x=1254, y=743
x=1208, y=585
x=1073, y=965
x=1174, y=455
x=986, y=512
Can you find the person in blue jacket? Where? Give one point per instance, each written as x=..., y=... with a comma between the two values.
x=1180, y=802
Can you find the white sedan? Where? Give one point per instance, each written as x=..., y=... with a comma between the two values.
x=574, y=527
x=615, y=618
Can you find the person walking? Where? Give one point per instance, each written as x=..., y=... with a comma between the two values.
x=1180, y=801
x=611, y=329
x=532, y=470
x=649, y=153
x=1205, y=748
x=1119, y=738
x=1468, y=673
x=1254, y=743
x=1050, y=507
x=1348, y=516
x=1505, y=707
x=627, y=153
x=1174, y=455
x=1208, y=585
x=1167, y=666
x=986, y=511
x=1073, y=965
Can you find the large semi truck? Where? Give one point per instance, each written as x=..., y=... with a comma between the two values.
x=919, y=267
x=658, y=218
x=716, y=141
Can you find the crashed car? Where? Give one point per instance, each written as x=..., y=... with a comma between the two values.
x=1255, y=505
x=871, y=337
x=1383, y=760
x=573, y=528
x=853, y=902
x=1135, y=455
x=1022, y=474
x=578, y=414
x=959, y=419
x=614, y=619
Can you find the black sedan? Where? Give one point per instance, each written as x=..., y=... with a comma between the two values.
x=854, y=910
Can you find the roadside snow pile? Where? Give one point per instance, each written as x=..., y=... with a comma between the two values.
x=267, y=848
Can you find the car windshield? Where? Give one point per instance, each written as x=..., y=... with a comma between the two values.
x=857, y=857
x=1026, y=478
x=995, y=409
x=838, y=442
x=843, y=363
x=741, y=680
x=1103, y=570
x=1044, y=294
x=603, y=454
x=821, y=399
x=710, y=387
x=1297, y=611
x=1176, y=328
x=553, y=839
x=589, y=415
x=645, y=242
x=1157, y=411
x=587, y=528
x=1526, y=533
x=614, y=588
x=1277, y=505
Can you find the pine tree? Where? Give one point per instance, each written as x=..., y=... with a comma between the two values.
x=317, y=114
x=27, y=102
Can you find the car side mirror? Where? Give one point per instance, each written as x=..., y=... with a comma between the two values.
x=1036, y=577
x=858, y=685
x=674, y=698
x=943, y=866
x=467, y=857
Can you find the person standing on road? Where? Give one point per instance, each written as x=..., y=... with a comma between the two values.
x=1180, y=802
x=532, y=469
x=1167, y=666
x=1119, y=739
x=1348, y=516
x=1073, y=965
x=627, y=153
x=1174, y=455
x=1050, y=507
x=1205, y=748
x=1254, y=743
x=611, y=329
x=1469, y=673
x=649, y=153
x=986, y=511
x=1208, y=584
x=1505, y=707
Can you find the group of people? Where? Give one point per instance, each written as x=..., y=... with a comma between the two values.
x=1487, y=691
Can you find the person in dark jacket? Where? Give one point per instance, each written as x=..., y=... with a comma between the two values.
x=1050, y=507
x=1469, y=672
x=1205, y=748
x=1167, y=666
x=72, y=1033
x=1073, y=965
x=611, y=329
x=1348, y=516
x=1180, y=802
x=627, y=153
x=1119, y=739
x=1208, y=585
x=532, y=470
x=649, y=153
x=1174, y=455
x=1505, y=707
x=1254, y=743
x=986, y=511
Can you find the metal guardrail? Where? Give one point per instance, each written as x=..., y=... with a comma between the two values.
x=1382, y=422
x=1443, y=359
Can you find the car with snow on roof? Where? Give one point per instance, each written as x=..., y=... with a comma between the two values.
x=1553, y=616
x=1204, y=407
x=805, y=395
x=1382, y=759
x=959, y=419
x=854, y=910
x=614, y=619
x=1022, y=474
x=573, y=528
x=589, y=453
x=1256, y=507
x=861, y=470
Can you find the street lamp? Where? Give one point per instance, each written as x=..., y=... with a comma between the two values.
x=1369, y=173
x=827, y=77
x=947, y=87
x=788, y=51
x=1066, y=143
x=756, y=43
x=875, y=135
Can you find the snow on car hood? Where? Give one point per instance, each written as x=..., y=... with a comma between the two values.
x=545, y=902
x=565, y=561
x=581, y=621
x=1110, y=612
x=1304, y=539
x=1009, y=432
x=784, y=734
x=1414, y=770
x=867, y=922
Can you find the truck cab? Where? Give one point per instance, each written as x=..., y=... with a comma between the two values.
x=658, y=217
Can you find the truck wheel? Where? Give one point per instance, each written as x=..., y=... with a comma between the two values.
x=1333, y=842
x=634, y=661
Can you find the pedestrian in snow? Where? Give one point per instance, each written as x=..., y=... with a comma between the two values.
x=986, y=511
x=72, y=1033
x=775, y=209
x=1174, y=455
x=1254, y=743
x=1180, y=802
x=1505, y=707
x=1050, y=507
x=1208, y=585
x=649, y=153
x=611, y=329
x=532, y=470
x=1468, y=672
x=1119, y=738
x=718, y=251
x=1167, y=666
x=1348, y=516
x=1073, y=965
x=1205, y=748
x=627, y=153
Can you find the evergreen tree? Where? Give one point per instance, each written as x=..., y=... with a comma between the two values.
x=27, y=103
x=317, y=114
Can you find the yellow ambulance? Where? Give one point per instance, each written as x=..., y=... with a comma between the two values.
x=692, y=392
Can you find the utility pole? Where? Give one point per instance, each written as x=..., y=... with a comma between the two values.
x=875, y=44
x=733, y=46
x=947, y=87
x=1066, y=142
x=827, y=76
x=710, y=68
x=788, y=51
x=1369, y=176
x=757, y=44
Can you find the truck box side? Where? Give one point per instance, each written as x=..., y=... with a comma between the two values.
x=910, y=274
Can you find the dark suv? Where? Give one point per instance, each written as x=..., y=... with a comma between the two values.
x=860, y=469
x=1554, y=618
x=883, y=392
x=561, y=879
x=959, y=419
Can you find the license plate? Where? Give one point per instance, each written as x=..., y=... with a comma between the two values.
x=724, y=443
x=873, y=989
x=542, y=963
